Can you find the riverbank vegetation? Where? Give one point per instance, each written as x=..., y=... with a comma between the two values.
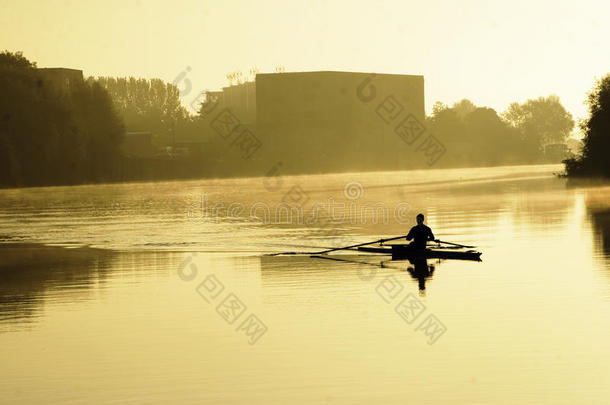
x=594, y=162
x=54, y=134
x=525, y=133
x=105, y=129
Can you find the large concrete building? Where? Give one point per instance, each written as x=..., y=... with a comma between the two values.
x=331, y=121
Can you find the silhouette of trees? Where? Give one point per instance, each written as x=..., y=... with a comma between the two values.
x=145, y=105
x=52, y=135
x=478, y=135
x=475, y=135
x=493, y=140
x=55, y=134
x=594, y=159
x=541, y=121
x=463, y=108
x=15, y=60
x=103, y=129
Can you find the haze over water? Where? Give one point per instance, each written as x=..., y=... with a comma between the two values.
x=115, y=322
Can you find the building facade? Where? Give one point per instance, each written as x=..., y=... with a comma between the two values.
x=62, y=78
x=338, y=121
x=315, y=122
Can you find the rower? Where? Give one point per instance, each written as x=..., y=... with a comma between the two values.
x=420, y=234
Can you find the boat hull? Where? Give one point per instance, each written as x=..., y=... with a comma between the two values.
x=402, y=252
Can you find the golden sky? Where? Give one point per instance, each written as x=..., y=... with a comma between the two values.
x=490, y=52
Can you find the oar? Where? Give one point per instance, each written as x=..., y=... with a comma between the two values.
x=339, y=248
x=300, y=253
x=358, y=245
x=454, y=244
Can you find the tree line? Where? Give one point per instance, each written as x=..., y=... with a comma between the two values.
x=146, y=105
x=73, y=135
x=480, y=136
x=51, y=135
x=56, y=134
x=594, y=162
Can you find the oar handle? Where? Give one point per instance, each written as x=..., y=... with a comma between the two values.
x=454, y=244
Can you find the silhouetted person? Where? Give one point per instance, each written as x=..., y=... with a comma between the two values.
x=420, y=234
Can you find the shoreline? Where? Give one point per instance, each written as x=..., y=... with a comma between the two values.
x=264, y=175
x=19, y=254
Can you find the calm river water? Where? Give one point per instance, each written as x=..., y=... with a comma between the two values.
x=156, y=293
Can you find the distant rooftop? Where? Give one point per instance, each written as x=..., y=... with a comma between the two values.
x=339, y=72
x=60, y=69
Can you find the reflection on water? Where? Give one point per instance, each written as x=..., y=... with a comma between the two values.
x=32, y=274
x=421, y=271
x=29, y=273
x=365, y=266
x=601, y=225
x=116, y=322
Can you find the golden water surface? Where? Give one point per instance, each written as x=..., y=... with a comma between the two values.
x=146, y=293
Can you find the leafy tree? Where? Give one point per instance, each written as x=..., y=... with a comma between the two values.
x=445, y=122
x=594, y=159
x=146, y=105
x=541, y=121
x=103, y=128
x=476, y=135
x=491, y=138
x=438, y=108
x=16, y=60
x=463, y=108
x=51, y=135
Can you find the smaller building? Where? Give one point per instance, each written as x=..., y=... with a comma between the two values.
x=191, y=148
x=61, y=78
x=240, y=99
